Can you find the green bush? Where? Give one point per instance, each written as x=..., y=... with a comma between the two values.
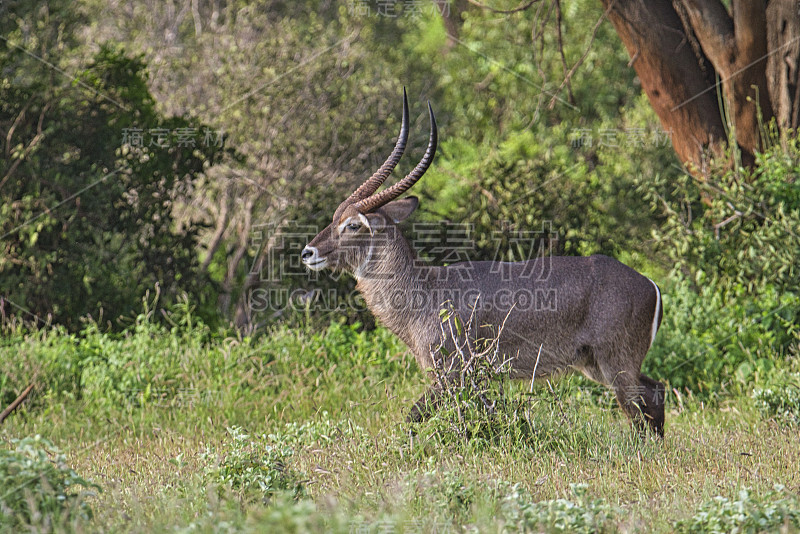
x=147, y=363
x=712, y=339
x=535, y=189
x=450, y=491
x=780, y=397
x=48, y=357
x=97, y=253
x=579, y=514
x=721, y=515
x=737, y=228
x=152, y=364
x=261, y=467
x=731, y=305
x=253, y=469
x=38, y=489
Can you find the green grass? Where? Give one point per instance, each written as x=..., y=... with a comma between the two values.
x=300, y=431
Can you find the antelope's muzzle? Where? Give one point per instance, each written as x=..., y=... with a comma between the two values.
x=312, y=260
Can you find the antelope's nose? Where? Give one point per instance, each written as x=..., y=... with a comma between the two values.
x=306, y=254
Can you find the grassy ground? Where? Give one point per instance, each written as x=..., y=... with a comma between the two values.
x=302, y=432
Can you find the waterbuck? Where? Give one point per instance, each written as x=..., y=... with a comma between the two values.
x=591, y=314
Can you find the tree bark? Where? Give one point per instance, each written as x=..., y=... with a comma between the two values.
x=675, y=77
x=736, y=44
x=783, y=63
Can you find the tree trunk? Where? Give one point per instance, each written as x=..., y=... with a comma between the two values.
x=675, y=76
x=754, y=48
x=783, y=63
x=736, y=44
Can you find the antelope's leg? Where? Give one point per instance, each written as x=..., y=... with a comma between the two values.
x=653, y=406
x=642, y=400
x=428, y=403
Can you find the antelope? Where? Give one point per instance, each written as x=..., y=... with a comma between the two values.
x=599, y=316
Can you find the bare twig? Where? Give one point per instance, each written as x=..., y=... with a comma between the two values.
x=561, y=49
x=535, y=365
x=465, y=375
x=28, y=149
x=719, y=225
x=575, y=67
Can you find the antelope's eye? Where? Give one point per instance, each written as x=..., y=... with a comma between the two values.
x=353, y=226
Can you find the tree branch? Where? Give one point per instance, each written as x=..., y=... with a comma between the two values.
x=28, y=149
x=714, y=29
x=517, y=9
x=568, y=76
x=13, y=406
x=750, y=23
x=559, y=22
x=222, y=224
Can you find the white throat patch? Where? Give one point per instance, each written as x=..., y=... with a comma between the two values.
x=361, y=269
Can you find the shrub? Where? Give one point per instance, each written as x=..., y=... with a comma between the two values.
x=253, y=469
x=745, y=514
x=470, y=381
x=47, y=357
x=153, y=365
x=711, y=338
x=780, y=397
x=732, y=306
x=580, y=514
x=533, y=198
x=146, y=363
x=38, y=488
x=261, y=467
x=99, y=254
x=739, y=227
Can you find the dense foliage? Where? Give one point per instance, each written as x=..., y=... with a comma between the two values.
x=90, y=176
x=39, y=492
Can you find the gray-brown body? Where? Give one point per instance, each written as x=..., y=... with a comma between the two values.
x=581, y=311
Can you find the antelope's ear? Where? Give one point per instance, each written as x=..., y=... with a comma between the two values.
x=400, y=210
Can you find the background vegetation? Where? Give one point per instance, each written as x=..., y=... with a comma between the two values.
x=164, y=163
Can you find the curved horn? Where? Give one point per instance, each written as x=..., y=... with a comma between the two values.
x=374, y=182
x=376, y=201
